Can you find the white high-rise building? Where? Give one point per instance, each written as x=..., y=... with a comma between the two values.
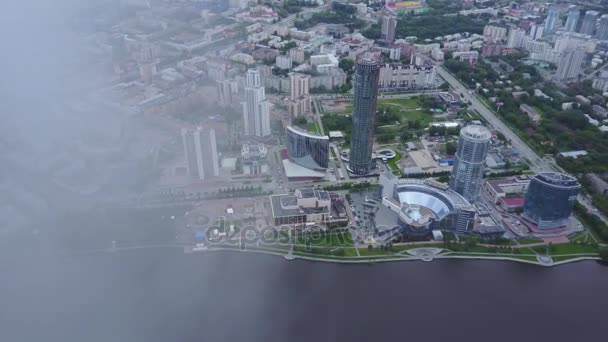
x=494, y=33
x=516, y=37
x=227, y=91
x=201, y=152
x=536, y=32
x=299, y=103
x=283, y=62
x=569, y=65
x=389, y=26
x=256, y=109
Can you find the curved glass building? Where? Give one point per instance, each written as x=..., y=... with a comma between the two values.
x=470, y=159
x=550, y=199
x=367, y=74
x=307, y=149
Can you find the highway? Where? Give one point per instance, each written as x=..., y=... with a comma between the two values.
x=537, y=163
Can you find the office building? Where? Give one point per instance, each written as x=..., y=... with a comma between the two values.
x=589, y=20
x=552, y=19
x=389, y=26
x=550, y=199
x=366, y=77
x=570, y=64
x=307, y=149
x=572, y=19
x=470, y=159
x=200, y=149
x=602, y=29
x=306, y=205
x=424, y=205
x=256, y=109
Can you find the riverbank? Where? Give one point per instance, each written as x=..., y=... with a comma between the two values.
x=413, y=254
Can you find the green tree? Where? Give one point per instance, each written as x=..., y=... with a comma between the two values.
x=347, y=65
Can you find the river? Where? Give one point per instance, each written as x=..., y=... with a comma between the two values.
x=166, y=295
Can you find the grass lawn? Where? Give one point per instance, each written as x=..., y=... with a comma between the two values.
x=566, y=248
x=409, y=103
x=312, y=127
x=393, y=162
x=334, y=238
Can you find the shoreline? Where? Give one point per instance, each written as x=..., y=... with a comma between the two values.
x=388, y=258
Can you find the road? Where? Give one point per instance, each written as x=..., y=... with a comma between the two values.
x=537, y=163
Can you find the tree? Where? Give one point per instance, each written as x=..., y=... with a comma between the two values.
x=347, y=65
x=450, y=148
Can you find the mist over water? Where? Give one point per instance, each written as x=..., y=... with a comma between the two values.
x=65, y=158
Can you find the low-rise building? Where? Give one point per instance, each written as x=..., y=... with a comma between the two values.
x=502, y=187
x=303, y=206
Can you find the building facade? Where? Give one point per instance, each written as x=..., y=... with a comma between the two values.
x=589, y=20
x=227, y=92
x=389, y=26
x=299, y=100
x=572, y=20
x=470, y=159
x=256, y=109
x=200, y=149
x=367, y=74
x=406, y=76
x=602, y=29
x=550, y=199
x=570, y=64
x=307, y=149
x=552, y=19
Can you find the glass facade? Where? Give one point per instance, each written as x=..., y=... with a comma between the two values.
x=550, y=199
x=469, y=162
x=307, y=149
x=367, y=73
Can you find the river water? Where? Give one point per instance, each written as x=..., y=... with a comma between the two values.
x=166, y=295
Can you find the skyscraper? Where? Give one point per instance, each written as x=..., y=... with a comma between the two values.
x=469, y=163
x=389, y=25
x=552, y=19
x=602, y=29
x=367, y=74
x=572, y=20
x=550, y=199
x=256, y=110
x=570, y=64
x=227, y=91
x=515, y=38
x=588, y=26
x=201, y=152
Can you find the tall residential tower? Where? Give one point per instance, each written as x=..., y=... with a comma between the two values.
x=470, y=160
x=589, y=20
x=256, y=110
x=572, y=19
x=201, y=152
x=367, y=74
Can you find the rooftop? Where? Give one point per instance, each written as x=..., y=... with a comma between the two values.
x=477, y=132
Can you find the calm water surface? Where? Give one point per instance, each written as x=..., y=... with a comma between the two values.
x=165, y=295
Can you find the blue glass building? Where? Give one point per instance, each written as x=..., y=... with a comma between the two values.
x=550, y=199
x=307, y=149
x=367, y=74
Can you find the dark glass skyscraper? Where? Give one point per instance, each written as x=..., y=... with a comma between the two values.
x=367, y=74
x=307, y=149
x=550, y=199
